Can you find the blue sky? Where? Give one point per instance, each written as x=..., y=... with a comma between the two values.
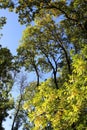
x=12, y=31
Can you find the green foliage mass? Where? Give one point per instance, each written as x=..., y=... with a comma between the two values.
x=6, y=82
x=65, y=108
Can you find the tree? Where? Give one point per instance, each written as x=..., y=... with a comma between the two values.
x=73, y=15
x=6, y=83
x=19, y=116
x=27, y=58
x=44, y=47
x=73, y=11
x=64, y=108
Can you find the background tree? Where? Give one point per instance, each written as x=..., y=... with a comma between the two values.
x=27, y=58
x=18, y=112
x=6, y=83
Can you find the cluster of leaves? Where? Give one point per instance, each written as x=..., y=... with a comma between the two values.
x=2, y=22
x=6, y=4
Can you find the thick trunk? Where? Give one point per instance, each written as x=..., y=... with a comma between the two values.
x=55, y=79
x=1, y=128
x=1, y=121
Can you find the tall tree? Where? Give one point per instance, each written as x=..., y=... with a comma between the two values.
x=43, y=46
x=20, y=116
x=6, y=83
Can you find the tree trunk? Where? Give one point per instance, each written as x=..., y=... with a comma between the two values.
x=16, y=114
x=37, y=74
x=66, y=56
x=55, y=79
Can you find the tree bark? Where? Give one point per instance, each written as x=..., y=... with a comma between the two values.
x=37, y=74
x=55, y=79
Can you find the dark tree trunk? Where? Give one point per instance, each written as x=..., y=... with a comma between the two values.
x=37, y=78
x=16, y=115
x=55, y=79
x=68, y=62
x=66, y=56
x=37, y=74
x=1, y=128
x=1, y=120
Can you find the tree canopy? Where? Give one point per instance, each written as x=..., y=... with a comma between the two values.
x=53, y=43
x=6, y=82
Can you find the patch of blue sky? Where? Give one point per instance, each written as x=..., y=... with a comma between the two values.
x=12, y=31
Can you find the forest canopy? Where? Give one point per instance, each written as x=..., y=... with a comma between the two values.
x=54, y=43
